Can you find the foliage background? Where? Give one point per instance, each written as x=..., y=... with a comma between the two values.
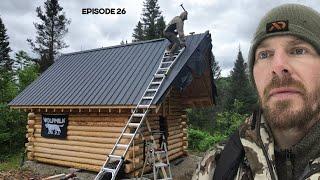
x=235, y=102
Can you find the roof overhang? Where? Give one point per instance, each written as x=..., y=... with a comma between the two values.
x=80, y=109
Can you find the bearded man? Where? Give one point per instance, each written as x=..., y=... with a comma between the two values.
x=281, y=140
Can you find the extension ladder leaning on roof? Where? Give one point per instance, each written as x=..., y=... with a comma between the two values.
x=114, y=162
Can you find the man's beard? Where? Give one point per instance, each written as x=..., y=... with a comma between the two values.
x=280, y=115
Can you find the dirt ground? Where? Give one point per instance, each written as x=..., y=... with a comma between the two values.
x=182, y=169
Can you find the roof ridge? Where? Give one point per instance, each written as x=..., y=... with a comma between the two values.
x=114, y=46
x=122, y=45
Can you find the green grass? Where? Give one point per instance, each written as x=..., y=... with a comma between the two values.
x=12, y=163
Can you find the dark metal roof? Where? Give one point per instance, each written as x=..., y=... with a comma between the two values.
x=115, y=75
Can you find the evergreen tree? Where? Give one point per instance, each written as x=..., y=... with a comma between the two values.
x=240, y=88
x=238, y=74
x=50, y=32
x=216, y=70
x=27, y=75
x=5, y=61
x=7, y=86
x=152, y=24
x=138, y=33
x=223, y=90
x=160, y=26
x=150, y=15
x=12, y=131
x=12, y=123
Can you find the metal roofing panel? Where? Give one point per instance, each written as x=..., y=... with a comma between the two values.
x=102, y=80
x=78, y=89
x=107, y=76
x=57, y=80
x=113, y=75
x=67, y=84
x=96, y=78
x=132, y=62
x=146, y=76
x=134, y=76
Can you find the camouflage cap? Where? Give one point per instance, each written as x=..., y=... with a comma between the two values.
x=289, y=19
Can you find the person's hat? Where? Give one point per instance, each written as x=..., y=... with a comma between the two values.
x=289, y=19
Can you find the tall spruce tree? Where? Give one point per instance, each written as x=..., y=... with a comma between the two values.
x=240, y=88
x=6, y=62
x=50, y=31
x=7, y=85
x=160, y=26
x=150, y=15
x=152, y=22
x=138, y=33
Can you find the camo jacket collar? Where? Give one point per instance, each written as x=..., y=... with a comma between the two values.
x=258, y=144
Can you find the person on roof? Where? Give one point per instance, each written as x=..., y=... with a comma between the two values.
x=174, y=28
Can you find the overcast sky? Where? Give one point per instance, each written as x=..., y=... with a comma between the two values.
x=230, y=22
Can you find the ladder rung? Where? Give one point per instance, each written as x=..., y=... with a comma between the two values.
x=166, y=62
x=134, y=124
x=159, y=152
x=167, y=56
x=152, y=90
x=154, y=83
x=160, y=164
x=115, y=156
x=176, y=53
x=168, y=53
x=138, y=115
x=148, y=97
x=163, y=69
x=108, y=170
x=128, y=134
x=143, y=106
x=123, y=145
x=159, y=76
x=161, y=72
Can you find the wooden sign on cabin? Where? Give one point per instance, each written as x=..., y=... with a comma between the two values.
x=54, y=126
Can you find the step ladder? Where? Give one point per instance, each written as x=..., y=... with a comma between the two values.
x=114, y=161
x=155, y=158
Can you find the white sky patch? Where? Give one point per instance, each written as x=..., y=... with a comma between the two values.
x=226, y=72
x=200, y=2
x=230, y=23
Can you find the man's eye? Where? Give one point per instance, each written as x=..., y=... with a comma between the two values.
x=298, y=51
x=263, y=55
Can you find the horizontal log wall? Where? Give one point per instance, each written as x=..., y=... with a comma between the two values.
x=91, y=136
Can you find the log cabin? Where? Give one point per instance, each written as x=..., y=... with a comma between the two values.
x=78, y=107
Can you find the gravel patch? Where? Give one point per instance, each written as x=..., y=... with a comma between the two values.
x=181, y=168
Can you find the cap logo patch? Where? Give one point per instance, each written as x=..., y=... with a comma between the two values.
x=277, y=26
